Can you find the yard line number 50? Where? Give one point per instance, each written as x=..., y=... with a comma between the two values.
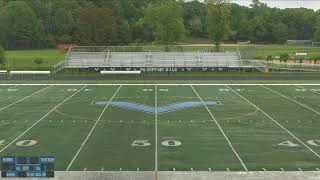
x=146, y=143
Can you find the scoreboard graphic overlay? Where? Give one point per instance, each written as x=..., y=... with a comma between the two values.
x=32, y=167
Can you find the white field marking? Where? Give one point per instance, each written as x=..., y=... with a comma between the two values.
x=282, y=169
x=225, y=136
x=228, y=169
x=308, y=89
x=92, y=129
x=209, y=169
x=276, y=122
x=264, y=169
x=300, y=169
x=152, y=84
x=13, y=86
x=317, y=169
x=156, y=128
x=25, y=98
x=43, y=117
x=305, y=106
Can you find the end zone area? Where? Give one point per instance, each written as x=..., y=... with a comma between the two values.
x=164, y=127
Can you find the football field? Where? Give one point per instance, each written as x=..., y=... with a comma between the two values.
x=164, y=127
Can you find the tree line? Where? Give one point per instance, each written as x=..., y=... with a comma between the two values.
x=45, y=23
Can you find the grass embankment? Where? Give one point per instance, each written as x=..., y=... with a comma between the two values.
x=25, y=59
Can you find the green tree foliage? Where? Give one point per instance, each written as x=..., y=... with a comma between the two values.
x=218, y=21
x=95, y=26
x=38, y=61
x=284, y=57
x=315, y=59
x=46, y=23
x=269, y=58
x=316, y=35
x=165, y=19
x=19, y=26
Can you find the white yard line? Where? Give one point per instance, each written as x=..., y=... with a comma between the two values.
x=225, y=136
x=152, y=84
x=25, y=98
x=92, y=129
x=156, y=127
x=52, y=110
x=276, y=122
x=305, y=106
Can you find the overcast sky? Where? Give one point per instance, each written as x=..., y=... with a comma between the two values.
x=312, y=4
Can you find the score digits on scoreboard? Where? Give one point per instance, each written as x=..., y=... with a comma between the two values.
x=29, y=167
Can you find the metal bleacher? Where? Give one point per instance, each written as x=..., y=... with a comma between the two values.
x=93, y=58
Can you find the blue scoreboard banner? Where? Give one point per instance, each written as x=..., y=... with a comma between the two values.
x=29, y=167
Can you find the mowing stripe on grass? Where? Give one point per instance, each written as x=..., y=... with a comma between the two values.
x=305, y=106
x=41, y=119
x=276, y=122
x=25, y=98
x=92, y=129
x=225, y=136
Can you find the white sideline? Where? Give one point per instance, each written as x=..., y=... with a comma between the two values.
x=225, y=136
x=276, y=122
x=152, y=84
x=305, y=106
x=156, y=127
x=3, y=71
x=92, y=129
x=41, y=119
x=25, y=98
x=30, y=72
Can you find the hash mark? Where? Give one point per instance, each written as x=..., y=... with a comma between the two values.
x=282, y=169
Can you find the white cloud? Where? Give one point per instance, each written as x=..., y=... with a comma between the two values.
x=311, y=4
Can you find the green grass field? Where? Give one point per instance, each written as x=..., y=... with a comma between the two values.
x=164, y=127
x=277, y=50
x=24, y=59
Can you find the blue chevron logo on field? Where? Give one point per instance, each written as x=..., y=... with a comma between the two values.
x=160, y=109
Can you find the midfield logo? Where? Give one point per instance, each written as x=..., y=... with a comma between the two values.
x=160, y=109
